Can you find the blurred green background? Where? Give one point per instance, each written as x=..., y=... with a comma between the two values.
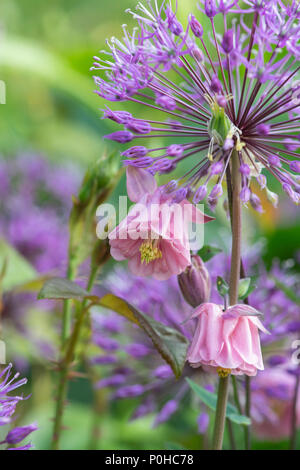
x=46, y=50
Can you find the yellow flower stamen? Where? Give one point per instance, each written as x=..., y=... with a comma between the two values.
x=223, y=372
x=150, y=251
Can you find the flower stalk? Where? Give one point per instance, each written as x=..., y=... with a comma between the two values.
x=66, y=362
x=236, y=225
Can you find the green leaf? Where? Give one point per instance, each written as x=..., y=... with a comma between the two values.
x=210, y=400
x=222, y=286
x=17, y=269
x=171, y=344
x=60, y=288
x=207, y=252
x=246, y=286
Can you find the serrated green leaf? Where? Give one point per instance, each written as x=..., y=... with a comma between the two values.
x=207, y=252
x=210, y=400
x=171, y=344
x=60, y=288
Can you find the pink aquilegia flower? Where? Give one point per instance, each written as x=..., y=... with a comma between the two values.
x=154, y=236
x=227, y=340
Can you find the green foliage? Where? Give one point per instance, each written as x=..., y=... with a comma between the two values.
x=170, y=344
x=210, y=400
x=208, y=251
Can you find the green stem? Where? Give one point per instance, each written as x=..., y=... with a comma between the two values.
x=67, y=360
x=236, y=225
x=247, y=429
x=220, y=413
x=67, y=311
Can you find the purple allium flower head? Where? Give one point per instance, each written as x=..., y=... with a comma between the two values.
x=8, y=404
x=242, y=97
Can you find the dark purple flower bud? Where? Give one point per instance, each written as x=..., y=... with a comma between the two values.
x=142, y=162
x=262, y=181
x=130, y=391
x=17, y=435
x=216, y=192
x=139, y=126
x=180, y=195
x=163, y=372
x=136, y=151
x=210, y=8
x=171, y=186
x=137, y=350
x=216, y=168
x=113, y=381
x=295, y=166
x=174, y=150
x=215, y=85
x=289, y=191
x=274, y=160
x=227, y=42
x=256, y=203
x=245, y=194
x=195, y=283
x=163, y=165
x=173, y=24
x=245, y=169
x=121, y=117
x=203, y=422
x=195, y=26
x=200, y=194
x=198, y=54
x=263, y=129
x=166, y=102
x=165, y=413
x=120, y=136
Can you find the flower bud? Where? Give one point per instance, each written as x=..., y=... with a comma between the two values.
x=194, y=283
x=196, y=27
x=227, y=42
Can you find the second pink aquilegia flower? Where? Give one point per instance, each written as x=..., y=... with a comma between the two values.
x=154, y=237
x=227, y=340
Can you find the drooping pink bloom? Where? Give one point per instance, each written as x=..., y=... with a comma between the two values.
x=227, y=340
x=272, y=409
x=154, y=236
